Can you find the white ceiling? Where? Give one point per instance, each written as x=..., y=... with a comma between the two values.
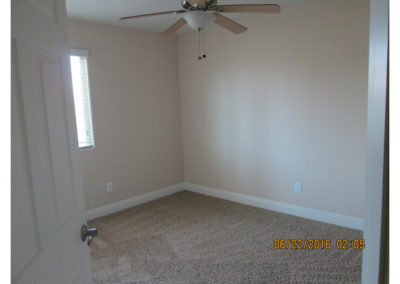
x=109, y=11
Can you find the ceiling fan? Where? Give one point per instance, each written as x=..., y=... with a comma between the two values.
x=199, y=13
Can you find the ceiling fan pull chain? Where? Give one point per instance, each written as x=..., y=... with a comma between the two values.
x=199, y=46
x=204, y=44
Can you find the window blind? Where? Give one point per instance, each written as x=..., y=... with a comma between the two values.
x=80, y=84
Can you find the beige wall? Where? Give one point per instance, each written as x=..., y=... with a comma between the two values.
x=136, y=112
x=284, y=102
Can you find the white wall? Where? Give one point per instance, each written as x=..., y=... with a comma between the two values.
x=284, y=102
x=136, y=112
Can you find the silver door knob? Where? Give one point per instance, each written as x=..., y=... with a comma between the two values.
x=88, y=234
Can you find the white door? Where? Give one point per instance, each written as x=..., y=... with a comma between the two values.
x=47, y=205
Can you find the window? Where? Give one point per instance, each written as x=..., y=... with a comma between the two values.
x=80, y=85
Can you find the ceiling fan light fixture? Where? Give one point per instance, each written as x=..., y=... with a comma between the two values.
x=199, y=19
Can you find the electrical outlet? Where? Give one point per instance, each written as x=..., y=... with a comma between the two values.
x=297, y=188
x=109, y=186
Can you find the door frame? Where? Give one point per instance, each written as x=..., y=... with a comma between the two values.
x=373, y=264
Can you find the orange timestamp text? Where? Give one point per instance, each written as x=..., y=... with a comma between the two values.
x=311, y=244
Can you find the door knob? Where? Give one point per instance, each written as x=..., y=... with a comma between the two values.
x=88, y=234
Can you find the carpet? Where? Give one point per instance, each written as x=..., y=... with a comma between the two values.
x=192, y=238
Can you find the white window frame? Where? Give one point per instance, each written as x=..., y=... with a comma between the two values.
x=85, y=53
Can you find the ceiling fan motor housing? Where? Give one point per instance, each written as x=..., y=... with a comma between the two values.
x=188, y=6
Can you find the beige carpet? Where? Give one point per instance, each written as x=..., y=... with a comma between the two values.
x=191, y=238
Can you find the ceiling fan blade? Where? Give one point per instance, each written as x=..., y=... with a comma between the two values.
x=201, y=3
x=229, y=24
x=179, y=24
x=153, y=14
x=252, y=8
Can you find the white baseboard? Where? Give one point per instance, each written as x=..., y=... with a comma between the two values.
x=313, y=214
x=127, y=203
